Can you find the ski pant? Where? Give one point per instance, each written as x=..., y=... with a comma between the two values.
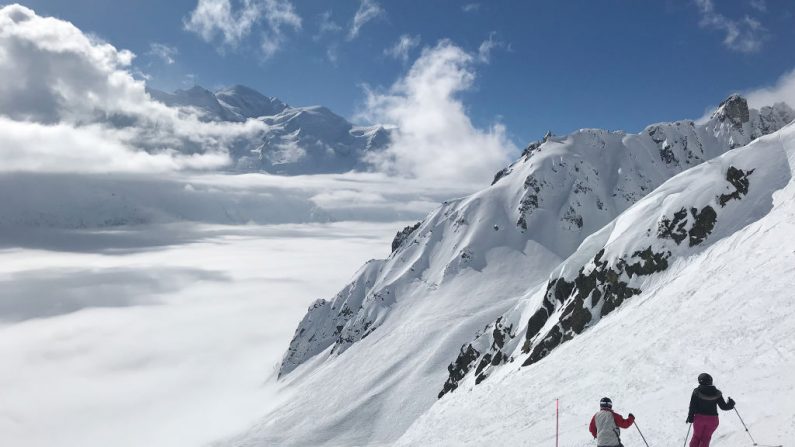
x=703, y=428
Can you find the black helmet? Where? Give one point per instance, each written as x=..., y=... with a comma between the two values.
x=704, y=379
x=606, y=403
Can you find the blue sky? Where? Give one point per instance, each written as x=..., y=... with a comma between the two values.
x=557, y=65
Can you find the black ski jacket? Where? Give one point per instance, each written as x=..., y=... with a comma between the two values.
x=705, y=400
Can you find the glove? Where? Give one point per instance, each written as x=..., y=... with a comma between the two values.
x=632, y=416
x=689, y=420
x=731, y=402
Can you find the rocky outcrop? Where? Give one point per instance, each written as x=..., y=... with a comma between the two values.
x=733, y=109
x=571, y=305
x=403, y=235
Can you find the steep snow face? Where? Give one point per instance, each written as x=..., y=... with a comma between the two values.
x=615, y=264
x=676, y=290
x=299, y=140
x=559, y=192
x=363, y=365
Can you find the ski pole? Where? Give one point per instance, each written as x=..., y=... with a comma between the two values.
x=641, y=433
x=749, y=433
x=688, y=434
x=744, y=426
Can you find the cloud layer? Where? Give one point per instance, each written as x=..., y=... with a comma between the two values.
x=435, y=138
x=74, y=106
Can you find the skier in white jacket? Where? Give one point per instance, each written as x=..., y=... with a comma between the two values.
x=606, y=424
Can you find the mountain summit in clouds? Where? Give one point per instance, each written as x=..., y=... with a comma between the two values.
x=295, y=140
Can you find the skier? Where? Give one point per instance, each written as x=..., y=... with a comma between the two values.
x=605, y=425
x=703, y=414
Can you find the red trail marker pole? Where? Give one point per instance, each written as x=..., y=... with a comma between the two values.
x=557, y=421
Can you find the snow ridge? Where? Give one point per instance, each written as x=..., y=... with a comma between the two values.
x=561, y=190
x=693, y=277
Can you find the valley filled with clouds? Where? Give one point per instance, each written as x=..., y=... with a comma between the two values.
x=154, y=258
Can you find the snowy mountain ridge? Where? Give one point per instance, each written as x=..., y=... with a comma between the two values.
x=559, y=192
x=298, y=140
x=696, y=276
x=363, y=366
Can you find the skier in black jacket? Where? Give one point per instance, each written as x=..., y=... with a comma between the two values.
x=703, y=414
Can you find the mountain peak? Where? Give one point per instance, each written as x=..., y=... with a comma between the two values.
x=735, y=109
x=249, y=103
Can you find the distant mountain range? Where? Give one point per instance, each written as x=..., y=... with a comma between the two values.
x=299, y=140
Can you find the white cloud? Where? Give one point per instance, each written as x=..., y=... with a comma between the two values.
x=782, y=91
x=76, y=101
x=759, y=5
x=434, y=138
x=368, y=10
x=326, y=26
x=402, y=47
x=219, y=18
x=333, y=53
x=27, y=146
x=488, y=45
x=163, y=52
x=745, y=35
x=471, y=7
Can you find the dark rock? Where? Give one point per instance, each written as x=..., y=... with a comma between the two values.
x=403, y=235
x=502, y=173
x=739, y=179
x=459, y=368
x=703, y=225
x=674, y=228
x=733, y=109
x=602, y=284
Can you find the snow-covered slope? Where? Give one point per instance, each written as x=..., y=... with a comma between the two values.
x=695, y=277
x=365, y=364
x=298, y=140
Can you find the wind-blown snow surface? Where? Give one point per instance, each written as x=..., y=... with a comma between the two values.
x=726, y=308
x=365, y=364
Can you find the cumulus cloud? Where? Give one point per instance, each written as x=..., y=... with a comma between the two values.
x=434, y=137
x=782, y=91
x=219, y=19
x=745, y=35
x=163, y=52
x=402, y=47
x=368, y=11
x=75, y=101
